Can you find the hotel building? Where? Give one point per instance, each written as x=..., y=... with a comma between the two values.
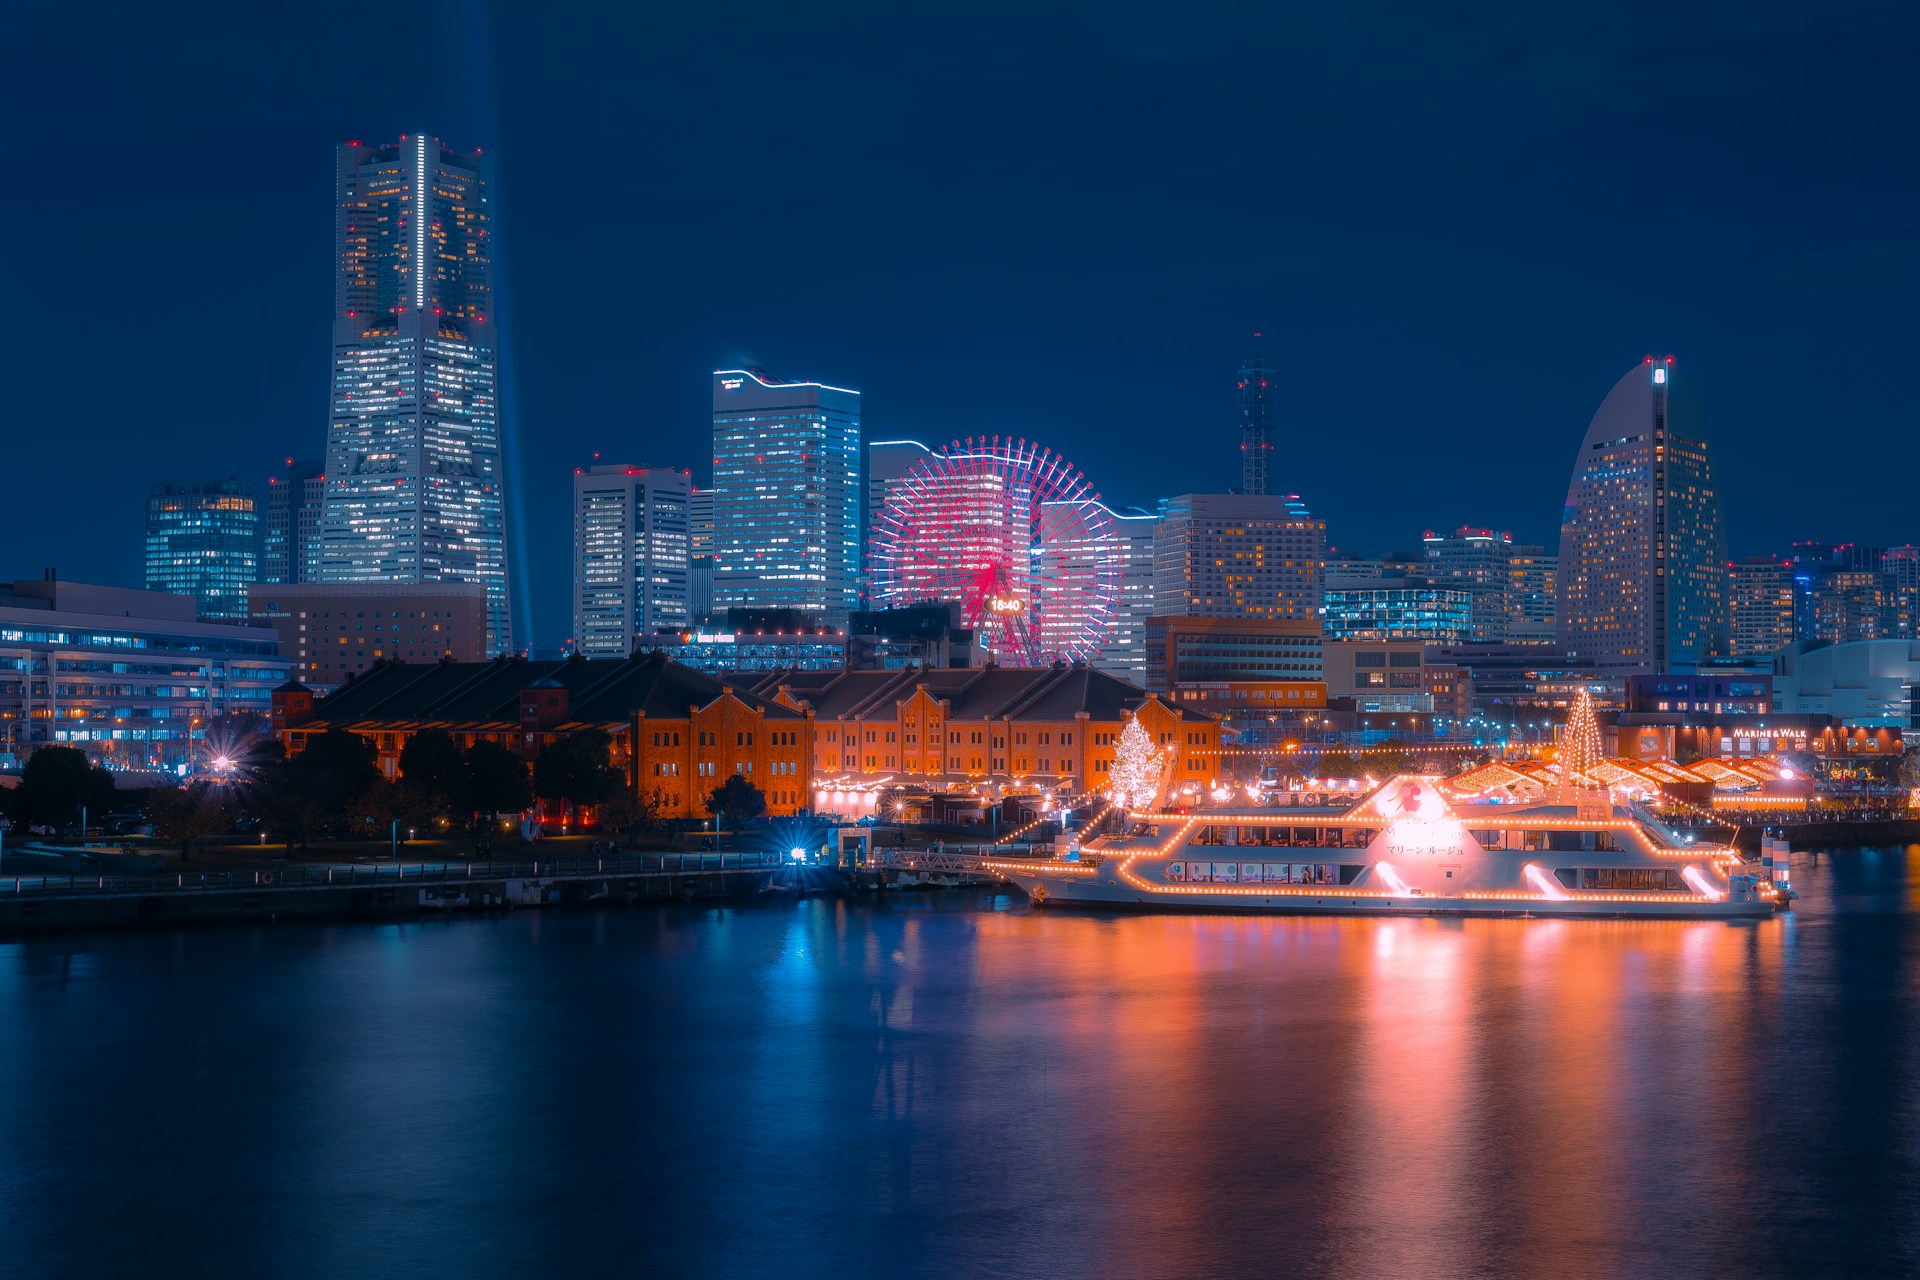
x=631, y=556
x=1643, y=557
x=203, y=540
x=787, y=502
x=1220, y=555
x=415, y=487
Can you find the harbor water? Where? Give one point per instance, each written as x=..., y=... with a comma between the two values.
x=949, y=1083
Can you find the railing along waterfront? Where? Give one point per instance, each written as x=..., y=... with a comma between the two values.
x=254, y=880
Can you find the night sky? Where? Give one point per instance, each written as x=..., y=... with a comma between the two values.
x=1059, y=222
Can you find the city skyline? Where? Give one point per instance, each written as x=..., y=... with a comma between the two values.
x=850, y=304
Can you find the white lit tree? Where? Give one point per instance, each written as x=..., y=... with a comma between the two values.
x=1580, y=747
x=1135, y=779
x=1580, y=752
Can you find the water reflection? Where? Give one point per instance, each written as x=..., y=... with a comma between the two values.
x=957, y=1085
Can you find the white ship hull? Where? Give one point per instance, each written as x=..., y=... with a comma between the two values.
x=1411, y=848
x=1104, y=888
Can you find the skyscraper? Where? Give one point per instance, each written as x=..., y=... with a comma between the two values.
x=203, y=540
x=1256, y=423
x=1643, y=553
x=700, y=549
x=414, y=481
x=786, y=495
x=631, y=556
x=1222, y=555
x=290, y=527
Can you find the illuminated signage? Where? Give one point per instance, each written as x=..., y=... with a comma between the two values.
x=1000, y=605
x=732, y=384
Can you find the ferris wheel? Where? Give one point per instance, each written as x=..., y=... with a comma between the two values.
x=1011, y=533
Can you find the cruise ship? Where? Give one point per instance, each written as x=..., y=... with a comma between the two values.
x=1412, y=846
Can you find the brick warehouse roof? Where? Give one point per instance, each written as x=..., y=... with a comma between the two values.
x=1034, y=694
x=601, y=691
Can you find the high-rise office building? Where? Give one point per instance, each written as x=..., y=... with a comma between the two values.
x=203, y=540
x=787, y=503
x=1643, y=554
x=1760, y=592
x=1511, y=584
x=700, y=554
x=1532, y=595
x=290, y=526
x=415, y=489
x=631, y=556
x=1257, y=379
x=1222, y=555
x=1475, y=561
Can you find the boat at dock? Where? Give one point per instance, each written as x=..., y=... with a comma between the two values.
x=1411, y=846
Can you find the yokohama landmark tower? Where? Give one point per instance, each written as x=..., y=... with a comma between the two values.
x=414, y=483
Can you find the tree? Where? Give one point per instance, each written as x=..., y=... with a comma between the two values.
x=627, y=812
x=579, y=767
x=337, y=769
x=280, y=799
x=431, y=767
x=1909, y=769
x=1137, y=766
x=56, y=782
x=736, y=802
x=1391, y=757
x=1338, y=765
x=496, y=780
x=182, y=815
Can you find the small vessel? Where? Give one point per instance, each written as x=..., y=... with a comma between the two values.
x=1412, y=846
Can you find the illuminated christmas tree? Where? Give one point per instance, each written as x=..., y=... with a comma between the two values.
x=1135, y=779
x=1580, y=744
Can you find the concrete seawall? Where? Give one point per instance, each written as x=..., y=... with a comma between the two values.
x=31, y=906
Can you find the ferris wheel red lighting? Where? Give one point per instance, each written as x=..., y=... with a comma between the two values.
x=1011, y=533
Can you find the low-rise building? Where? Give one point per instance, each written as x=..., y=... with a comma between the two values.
x=715, y=651
x=132, y=677
x=676, y=733
x=1863, y=682
x=1052, y=728
x=1237, y=665
x=333, y=631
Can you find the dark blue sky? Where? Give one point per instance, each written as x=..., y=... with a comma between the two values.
x=1057, y=221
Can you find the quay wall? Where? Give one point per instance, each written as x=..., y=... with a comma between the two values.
x=28, y=913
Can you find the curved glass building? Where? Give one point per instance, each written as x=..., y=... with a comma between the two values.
x=1643, y=550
